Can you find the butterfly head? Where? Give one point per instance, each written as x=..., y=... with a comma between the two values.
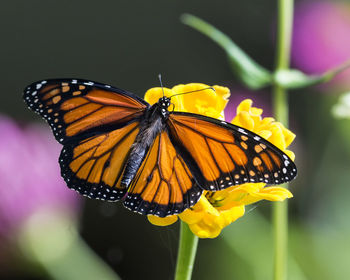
x=164, y=103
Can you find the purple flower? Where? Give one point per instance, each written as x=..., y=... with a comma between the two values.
x=29, y=174
x=321, y=37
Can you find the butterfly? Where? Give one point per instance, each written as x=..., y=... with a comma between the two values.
x=116, y=146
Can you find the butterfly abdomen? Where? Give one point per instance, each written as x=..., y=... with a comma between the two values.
x=152, y=126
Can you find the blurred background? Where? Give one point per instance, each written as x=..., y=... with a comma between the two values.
x=126, y=44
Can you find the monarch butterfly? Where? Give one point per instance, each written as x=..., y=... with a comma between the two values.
x=117, y=146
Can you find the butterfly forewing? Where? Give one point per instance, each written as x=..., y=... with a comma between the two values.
x=221, y=155
x=78, y=108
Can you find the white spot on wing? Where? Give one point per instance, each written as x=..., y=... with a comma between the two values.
x=241, y=130
x=88, y=83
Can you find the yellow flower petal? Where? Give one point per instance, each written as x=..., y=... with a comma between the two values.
x=207, y=102
x=152, y=95
x=196, y=213
x=245, y=120
x=251, y=187
x=265, y=134
x=256, y=111
x=277, y=137
x=288, y=136
x=244, y=106
x=190, y=216
x=158, y=221
x=265, y=122
x=210, y=226
x=273, y=194
x=290, y=154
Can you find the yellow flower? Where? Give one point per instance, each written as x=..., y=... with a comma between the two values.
x=206, y=102
x=216, y=210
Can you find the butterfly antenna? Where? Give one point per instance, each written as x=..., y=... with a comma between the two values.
x=193, y=91
x=161, y=84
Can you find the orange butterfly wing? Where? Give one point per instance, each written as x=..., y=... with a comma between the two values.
x=221, y=155
x=163, y=184
x=79, y=108
x=94, y=166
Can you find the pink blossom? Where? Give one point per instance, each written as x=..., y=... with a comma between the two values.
x=321, y=37
x=29, y=174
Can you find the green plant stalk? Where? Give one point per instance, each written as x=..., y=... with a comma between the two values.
x=246, y=69
x=186, y=253
x=280, y=105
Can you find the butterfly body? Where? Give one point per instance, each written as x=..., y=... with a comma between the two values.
x=152, y=124
x=117, y=146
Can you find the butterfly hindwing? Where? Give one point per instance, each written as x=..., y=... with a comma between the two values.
x=221, y=155
x=163, y=184
x=94, y=166
x=75, y=107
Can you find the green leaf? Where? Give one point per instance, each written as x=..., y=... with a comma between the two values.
x=294, y=79
x=246, y=69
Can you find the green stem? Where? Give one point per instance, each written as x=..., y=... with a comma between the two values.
x=186, y=254
x=284, y=33
x=247, y=70
x=280, y=103
x=280, y=221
